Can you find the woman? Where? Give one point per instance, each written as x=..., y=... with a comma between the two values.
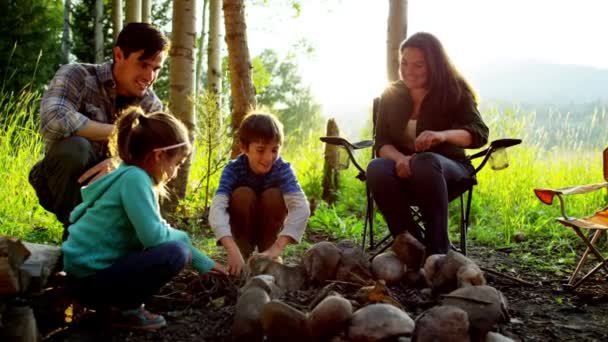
x=425, y=120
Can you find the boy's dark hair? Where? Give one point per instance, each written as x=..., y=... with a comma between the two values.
x=142, y=36
x=140, y=133
x=260, y=127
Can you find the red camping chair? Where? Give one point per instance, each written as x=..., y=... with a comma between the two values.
x=595, y=224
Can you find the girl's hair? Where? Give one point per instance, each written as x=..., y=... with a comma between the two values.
x=260, y=127
x=444, y=80
x=138, y=134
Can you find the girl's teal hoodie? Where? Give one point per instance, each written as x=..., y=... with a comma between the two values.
x=119, y=215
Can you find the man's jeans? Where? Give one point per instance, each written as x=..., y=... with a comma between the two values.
x=55, y=177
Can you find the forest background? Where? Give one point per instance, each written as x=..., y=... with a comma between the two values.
x=559, y=110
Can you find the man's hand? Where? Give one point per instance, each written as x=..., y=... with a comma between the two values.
x=102, y=168
x=428, y=139
x=402, y=166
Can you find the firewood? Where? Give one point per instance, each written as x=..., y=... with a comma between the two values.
x=12, y=255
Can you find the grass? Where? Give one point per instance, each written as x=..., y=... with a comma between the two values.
x=20, y=147
x=503, y=201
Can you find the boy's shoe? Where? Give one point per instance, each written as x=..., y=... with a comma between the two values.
x=138, y=319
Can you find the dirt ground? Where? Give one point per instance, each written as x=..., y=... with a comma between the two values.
x=201, y=309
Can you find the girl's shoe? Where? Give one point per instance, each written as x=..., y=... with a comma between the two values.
x=138, y=319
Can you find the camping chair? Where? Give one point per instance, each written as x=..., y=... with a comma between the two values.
x=495, y=153
x=596, y=224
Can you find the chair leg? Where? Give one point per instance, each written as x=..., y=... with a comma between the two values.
x=368, y=220
x=581, y=262
x=598, y=255
x=385, y=247
x=464, y=220
x=370, y=215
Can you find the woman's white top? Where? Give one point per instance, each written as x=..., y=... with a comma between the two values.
x=410, y=133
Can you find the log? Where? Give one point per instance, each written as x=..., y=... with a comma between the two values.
x=331, y=172
x=19, y=325
x=12, y=255
x=43, y=262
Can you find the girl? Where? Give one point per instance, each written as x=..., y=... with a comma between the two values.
x=120, y=251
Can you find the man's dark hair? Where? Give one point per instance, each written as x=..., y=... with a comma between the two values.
x=142, y=36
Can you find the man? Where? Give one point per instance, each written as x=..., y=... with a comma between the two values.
x=78, y=111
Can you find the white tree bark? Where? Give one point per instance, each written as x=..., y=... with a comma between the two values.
x=214, y=62
x=146, y=11
x=116, y=17
x=181, y=78
x=198, y=84
x=134, y=11
x=239, y=63
x=397, y=31
x=65, y=39
x=98, y=31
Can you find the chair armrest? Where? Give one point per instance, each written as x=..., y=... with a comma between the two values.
x=494, y=146
x=334, y=140
x=350, y=147
x=546, y=195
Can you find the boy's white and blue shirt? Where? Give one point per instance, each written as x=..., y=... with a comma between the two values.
x=237, y=173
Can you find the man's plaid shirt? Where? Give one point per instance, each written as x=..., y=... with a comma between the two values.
x=79, y=93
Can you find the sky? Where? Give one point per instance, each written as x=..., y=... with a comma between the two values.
x=348, y=66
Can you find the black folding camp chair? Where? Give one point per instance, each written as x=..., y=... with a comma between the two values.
x=495, y=153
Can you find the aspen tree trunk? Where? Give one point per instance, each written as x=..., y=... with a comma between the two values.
x=98, y=31
x=181, y=78
x=397, y=31
x=65, y=39
x=331, y=172
x=214, y=63
x=116, y=18
x=146, y=11
x=134, y=11
x=198, y=84
x=239, y=64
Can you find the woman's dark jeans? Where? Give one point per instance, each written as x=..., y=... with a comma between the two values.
x=129, y=282
x=434, y=181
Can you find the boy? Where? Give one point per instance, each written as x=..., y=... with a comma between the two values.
x=259, y=201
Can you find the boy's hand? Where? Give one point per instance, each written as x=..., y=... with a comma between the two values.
x=236, y=263
x=277, y=247
x=271, y=253
x=235, y=258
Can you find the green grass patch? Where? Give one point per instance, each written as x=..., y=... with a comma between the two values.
x=503, y=201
